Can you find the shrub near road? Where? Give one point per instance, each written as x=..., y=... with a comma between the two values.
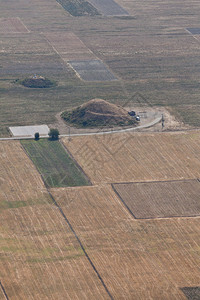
x=54, y=164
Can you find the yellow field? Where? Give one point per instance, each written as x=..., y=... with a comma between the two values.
x=40, y=258
x=137, y=259
x=131, y=157
x=19, y=179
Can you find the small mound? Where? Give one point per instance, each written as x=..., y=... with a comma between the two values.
x=37, y=82
x=98, y=112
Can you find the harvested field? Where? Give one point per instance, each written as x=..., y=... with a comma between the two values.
x=69, y=46
x=40, y=258
x=92, y=70
x=161, y=199
x=137, y=157
x=109, y=8
x=54, y=163
x=137, y=259
x=12, y=25
x=20, y=183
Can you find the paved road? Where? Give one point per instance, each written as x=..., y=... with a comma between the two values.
x=150, y=124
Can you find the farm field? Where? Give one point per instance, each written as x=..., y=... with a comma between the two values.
x=40, y=258
x=92, y=70
x=177, y=198
x=54, y=163
x=132, y=157
x=137, y=259
x=108, y=8
x=12, y=25
x=155, y=56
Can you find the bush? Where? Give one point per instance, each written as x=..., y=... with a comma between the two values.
x=37, y=136
x=53, y=134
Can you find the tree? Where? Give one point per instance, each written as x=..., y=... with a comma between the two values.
x=53, y=134
x=37, y=136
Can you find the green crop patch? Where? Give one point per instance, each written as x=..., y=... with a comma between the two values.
x=78, y=7
x=54, y=164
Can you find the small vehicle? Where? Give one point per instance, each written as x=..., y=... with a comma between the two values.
x=137, y=118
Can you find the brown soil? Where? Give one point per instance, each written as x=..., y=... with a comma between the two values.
x=98, y=112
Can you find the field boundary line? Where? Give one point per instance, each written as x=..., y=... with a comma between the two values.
x=76, y=163
x=158, y=181
x=4, y=291
x=81, y=245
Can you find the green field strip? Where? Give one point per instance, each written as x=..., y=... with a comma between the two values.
x=54, y=164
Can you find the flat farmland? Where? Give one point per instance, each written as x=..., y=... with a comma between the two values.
x=132, y=157
x=40, y=258
x=161, y=199
x=12, y=25
x=54, y=164
x=137, y=259
x=69, y=46
x=108, y=8
x=92, y=70
x=19, y=180
x=154, y=56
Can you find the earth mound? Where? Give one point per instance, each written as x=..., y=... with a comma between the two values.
x=98, y=112
x=37, y=82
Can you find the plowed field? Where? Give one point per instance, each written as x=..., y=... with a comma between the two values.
x=130, y=157
x=137, y=259
x=161, y=199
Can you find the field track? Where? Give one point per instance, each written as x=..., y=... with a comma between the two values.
x=137, y=259
x=136, y=157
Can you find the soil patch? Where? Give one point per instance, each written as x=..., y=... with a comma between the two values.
x=98, y=112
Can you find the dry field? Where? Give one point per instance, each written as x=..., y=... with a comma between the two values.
x=69, y=46
x=20, y=183
x=130, y=157
x=12, y=25
x=137, y=259
x=40, y=258
x=152, y=55
x=161, y=199
x=92, y=70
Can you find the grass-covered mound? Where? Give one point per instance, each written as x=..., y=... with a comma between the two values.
x=98, y=112
x=37, y=82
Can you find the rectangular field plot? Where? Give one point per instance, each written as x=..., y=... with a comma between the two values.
x=137, y=259
x=192, y=293
x=193, y=30
x=161, y=199
x=92, y=70
x=54, y=163
x=20, y=183
x=133, y=157
x=69, y=46
x=109, y=8
x=12, y=25
x=29, y=130
x=40, y=257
